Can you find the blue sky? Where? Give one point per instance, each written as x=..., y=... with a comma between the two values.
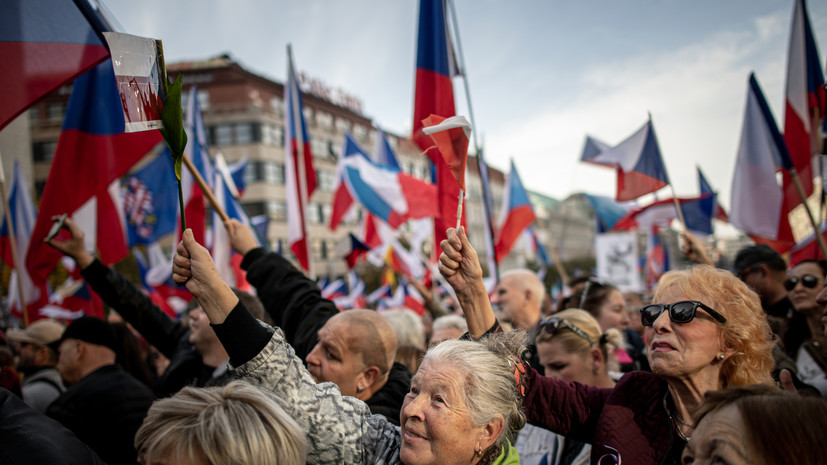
x=542, y=74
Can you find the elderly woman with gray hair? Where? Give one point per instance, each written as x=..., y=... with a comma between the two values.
x=464, y=401
x=705, y=331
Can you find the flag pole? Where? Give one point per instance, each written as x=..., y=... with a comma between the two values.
x=459, y=209
x=206, y=189
x=13, y=243
x=678, y=207
x=798, y=187
x=480, y=161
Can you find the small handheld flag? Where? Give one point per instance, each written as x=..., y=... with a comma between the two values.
x=451, y=138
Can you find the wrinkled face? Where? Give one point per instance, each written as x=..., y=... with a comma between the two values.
x=436, y=427
x=802, y=297
x=612, y=313
x=333, y=359
x=719, y=439
x=511, y=300
x=568, y=366
x=444, y=335
x=685, y=350
x=68, y=362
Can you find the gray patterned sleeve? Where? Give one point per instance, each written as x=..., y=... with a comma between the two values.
x=339, y=429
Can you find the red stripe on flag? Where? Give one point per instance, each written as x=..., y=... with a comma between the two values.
x=518, y=219
x=434, y=94
x=633, y=184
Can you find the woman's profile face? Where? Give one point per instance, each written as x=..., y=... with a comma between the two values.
x=561, y=364
x=719, y=439
x=435, y=424
x=802, y=297
x=612, y=312
x=686, y=351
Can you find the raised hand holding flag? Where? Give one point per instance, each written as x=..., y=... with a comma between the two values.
x=451, y=138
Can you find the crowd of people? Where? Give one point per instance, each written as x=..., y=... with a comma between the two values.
x=717, y=366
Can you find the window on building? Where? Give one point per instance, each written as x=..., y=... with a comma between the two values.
x=317, y=245
x=44, y=151
x=272, y=135
x=327, y=209
x=327, y=180
x=308, y=116
x=324, y=120
x=342, y=125
x=318, y=147
x=360, y=131
x=255, y=208
x=55, y=112
x=223, y=135
x=334, y=149
x=277, y=104
x=314, y=213
x=244, y=133
x=279, y=211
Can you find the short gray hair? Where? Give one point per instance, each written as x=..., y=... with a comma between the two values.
x=236, y=423
x=450, y=322
x=408, y=326
x=490, y=387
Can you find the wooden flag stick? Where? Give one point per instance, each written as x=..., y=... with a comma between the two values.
x=561, y=270
x=800, y=189
x=678, y=207
x=206, y=189
x=13, y=244
x=459, y=209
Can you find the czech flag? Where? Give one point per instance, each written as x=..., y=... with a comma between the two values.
x=43, y=45
x=517, y=213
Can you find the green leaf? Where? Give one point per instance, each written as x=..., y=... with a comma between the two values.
x=172, y=116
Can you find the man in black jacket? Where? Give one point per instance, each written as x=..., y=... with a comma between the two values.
x=323, y=337
x=103, y=405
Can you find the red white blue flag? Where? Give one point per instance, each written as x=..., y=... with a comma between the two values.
x=43, y=45
x=517, y=213
x=298, y=166
x=638, y=161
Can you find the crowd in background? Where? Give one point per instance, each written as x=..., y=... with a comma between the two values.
x=716, y=364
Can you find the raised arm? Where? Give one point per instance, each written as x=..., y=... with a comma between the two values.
x=460, y=266
x=121, y=294
x=292, y=299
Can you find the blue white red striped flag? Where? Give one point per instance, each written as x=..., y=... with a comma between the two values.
x=517, y=213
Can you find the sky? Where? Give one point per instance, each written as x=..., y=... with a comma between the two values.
x=542, y=74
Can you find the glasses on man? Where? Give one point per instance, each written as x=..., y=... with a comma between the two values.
x=679, y=312
x=809, y=281
x=553, y=324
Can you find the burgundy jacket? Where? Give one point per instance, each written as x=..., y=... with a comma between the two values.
x=629, y=418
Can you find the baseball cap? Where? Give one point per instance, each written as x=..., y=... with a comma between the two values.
x=41, y=332
x=92, y=330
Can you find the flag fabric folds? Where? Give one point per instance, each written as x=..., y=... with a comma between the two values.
x=607, y=212
x=388, y=194
x=804, y=104
x=43, y=45
x=92, y=152
x=757, y=199
x=697, y=213
x=197, y=150
x=638, y=161
x=657, y=257
x=434, y=95
x=22, y=213
x=535, y=247
x=487, y=217
x=351, y=249
x=298, y=166
x=517, y=213
x=451, y=138
x=151, y=201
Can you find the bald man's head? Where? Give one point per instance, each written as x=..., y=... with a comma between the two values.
x=520, y=296
x=356, y=350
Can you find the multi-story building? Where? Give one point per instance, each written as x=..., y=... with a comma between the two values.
x=243, y=113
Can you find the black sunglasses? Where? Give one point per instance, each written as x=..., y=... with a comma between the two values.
x=679, y=312
x=809, y=281
x=553, y=324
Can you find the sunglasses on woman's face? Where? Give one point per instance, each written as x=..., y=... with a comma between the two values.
x=679, y=312
x=809, y=281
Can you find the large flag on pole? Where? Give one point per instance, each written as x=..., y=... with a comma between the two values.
x=757, y=199
x=434, y=94
x=487, y=217
x=638, y=160
x=22, y=213
x=299, y=171
x=93, y=151
x=517, y=213
x=197, y=149
x=43, y=45
x=804, y=106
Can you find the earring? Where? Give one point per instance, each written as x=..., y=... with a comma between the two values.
x=596, y=371
x=479, y=453
x=721, y=357
x=359, y=389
